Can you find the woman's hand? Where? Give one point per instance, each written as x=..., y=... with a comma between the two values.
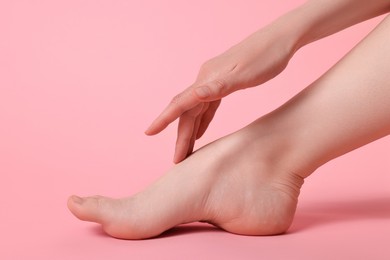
x=258, y=58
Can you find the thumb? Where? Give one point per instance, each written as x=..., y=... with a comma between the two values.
x=215, y=89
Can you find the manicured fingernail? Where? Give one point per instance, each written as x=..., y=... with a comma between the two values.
x=77, y=199
x=202, y=92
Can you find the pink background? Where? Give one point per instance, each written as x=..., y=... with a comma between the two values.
x=81, y=80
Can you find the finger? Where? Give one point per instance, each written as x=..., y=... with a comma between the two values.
x=192, y=96
x=193, y=138
x=196, y=128
x=185, y=129
x=207, y=116
x=185, y=132
x=216, y=89
x=178, y=105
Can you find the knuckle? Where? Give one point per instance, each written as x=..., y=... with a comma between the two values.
x=99, y=201
x=176, y=99
x=178, y=104
x=220, y=86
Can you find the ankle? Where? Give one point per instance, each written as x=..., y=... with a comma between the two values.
x=281, y=146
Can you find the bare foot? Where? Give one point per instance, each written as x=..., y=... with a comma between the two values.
x=241, y=183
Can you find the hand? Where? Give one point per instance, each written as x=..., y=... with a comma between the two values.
x=258, y=58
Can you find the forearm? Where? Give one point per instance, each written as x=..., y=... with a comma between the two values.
x=317, y=19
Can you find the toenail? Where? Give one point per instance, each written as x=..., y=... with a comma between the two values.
x=77, y=199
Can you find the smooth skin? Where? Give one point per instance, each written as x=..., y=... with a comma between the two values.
x=255, y=60
x=248, y=182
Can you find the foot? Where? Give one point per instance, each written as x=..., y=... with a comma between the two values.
x=242, y=183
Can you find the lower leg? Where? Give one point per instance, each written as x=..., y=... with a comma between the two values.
x=249, y=182
x=348, y=107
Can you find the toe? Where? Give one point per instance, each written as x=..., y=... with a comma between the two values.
x=114, y=215
x=95, y=209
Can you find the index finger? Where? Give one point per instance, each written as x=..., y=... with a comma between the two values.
x=181, y=103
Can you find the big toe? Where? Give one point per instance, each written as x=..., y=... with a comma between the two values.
x=95, y=209
x=115, y=215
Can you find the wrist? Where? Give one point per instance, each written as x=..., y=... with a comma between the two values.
x=290, y=30
x=315, y=20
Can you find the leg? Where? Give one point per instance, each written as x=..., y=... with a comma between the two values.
x=249, y=181
x=348, y=107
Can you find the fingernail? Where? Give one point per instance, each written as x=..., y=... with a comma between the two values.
x=77, y=199
x=202, y=92
x=147, y=131
x=176, y=159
